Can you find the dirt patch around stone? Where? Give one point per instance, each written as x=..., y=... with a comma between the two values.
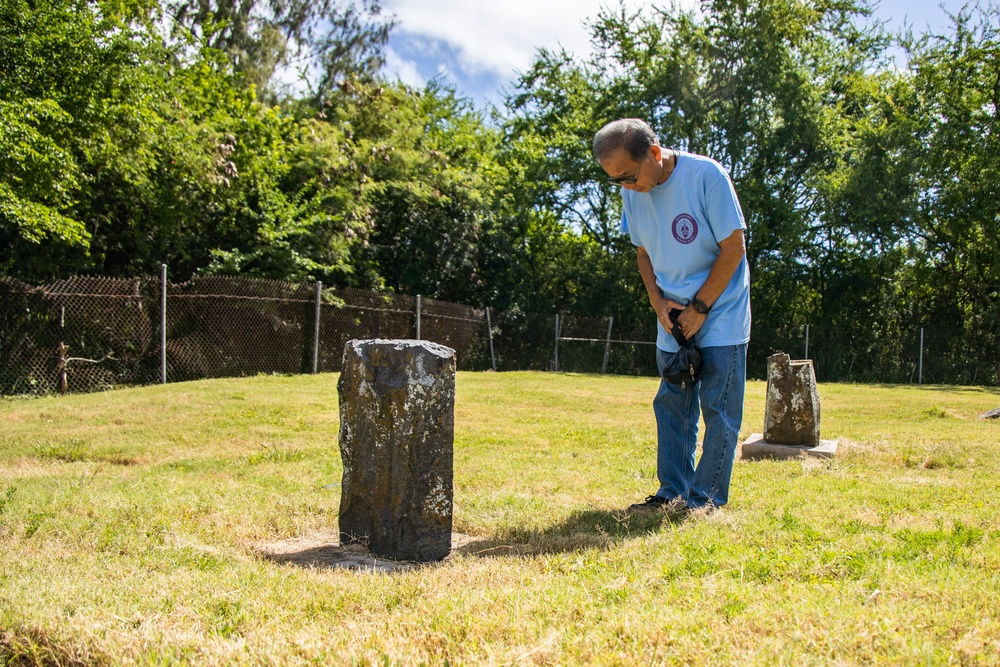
x=322, y=550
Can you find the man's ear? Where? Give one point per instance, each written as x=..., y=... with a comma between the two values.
x=657, y=152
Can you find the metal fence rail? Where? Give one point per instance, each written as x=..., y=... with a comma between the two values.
x=595, y=345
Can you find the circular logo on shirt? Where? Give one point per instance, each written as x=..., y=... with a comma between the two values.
x=685, y=228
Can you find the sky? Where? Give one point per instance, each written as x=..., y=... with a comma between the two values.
x=479, y=46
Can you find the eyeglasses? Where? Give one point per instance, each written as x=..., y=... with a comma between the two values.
x=624, y=180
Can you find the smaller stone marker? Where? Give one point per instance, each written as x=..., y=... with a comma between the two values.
x=791, y=414
x=991, y=414
x=397, y=432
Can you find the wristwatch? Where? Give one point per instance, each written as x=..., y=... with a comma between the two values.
x=700, y=306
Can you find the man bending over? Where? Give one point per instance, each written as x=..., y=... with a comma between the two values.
x=681, y=210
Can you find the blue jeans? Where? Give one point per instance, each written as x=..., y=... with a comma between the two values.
x=718, y=394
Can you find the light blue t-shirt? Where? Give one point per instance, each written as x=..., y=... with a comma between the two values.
x=680, y=223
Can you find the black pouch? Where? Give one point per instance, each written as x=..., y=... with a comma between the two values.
x=685, y=366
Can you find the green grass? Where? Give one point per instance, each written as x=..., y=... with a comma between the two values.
x=131, y=526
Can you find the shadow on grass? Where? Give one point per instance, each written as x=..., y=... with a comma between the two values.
x=322, y=550
x=581, y=530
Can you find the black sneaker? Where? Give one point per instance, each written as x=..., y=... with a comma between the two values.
x=674, y=508
x=651, y=503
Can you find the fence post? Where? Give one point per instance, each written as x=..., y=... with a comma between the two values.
x=607, y=346
x=920, y=373
x=163, y=323
x=61, y=368
x=319, y=299
x=807, y=342
x=557, y=343
x=418, y=317
x=489, y=325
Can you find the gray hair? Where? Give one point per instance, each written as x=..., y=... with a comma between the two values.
x=632, y=134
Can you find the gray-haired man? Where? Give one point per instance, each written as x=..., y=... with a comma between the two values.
x=682, y=212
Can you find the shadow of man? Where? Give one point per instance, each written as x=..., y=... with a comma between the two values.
x=581, y=530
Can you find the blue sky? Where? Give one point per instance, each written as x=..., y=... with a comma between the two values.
x=479, y=45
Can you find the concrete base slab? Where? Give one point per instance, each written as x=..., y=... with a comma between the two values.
x=755, y=448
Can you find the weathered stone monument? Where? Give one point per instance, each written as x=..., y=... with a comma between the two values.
x=397, y=431
x=791, y=414
x=991, y=414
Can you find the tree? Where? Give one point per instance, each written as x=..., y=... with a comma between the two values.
x=954, y=145
x=323, y=41
x=120, y=153
x=72, y=107
x=431, y=194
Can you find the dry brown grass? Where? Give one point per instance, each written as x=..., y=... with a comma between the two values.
x=195, y=523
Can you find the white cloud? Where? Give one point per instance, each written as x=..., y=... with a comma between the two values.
x=500, y=36
x=405, y=70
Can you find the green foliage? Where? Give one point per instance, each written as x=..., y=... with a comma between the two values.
x=125, y=154
x=952, y=115
x=135, y=132
x=431, y=194
x=69, y=107
x=40, y=176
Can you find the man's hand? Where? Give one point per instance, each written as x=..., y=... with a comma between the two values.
x=663, y=306
x=690, y=321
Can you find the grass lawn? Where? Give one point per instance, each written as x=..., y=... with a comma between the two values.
x=131, y=526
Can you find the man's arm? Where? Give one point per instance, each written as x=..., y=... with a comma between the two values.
x=731, y=253
x=661, y=305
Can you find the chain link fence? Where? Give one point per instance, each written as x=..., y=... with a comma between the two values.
x=105, y=326
x=88, y=334
x=912, y=355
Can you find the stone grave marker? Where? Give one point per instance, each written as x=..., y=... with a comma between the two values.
x=791, y=414
x=397, y=431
